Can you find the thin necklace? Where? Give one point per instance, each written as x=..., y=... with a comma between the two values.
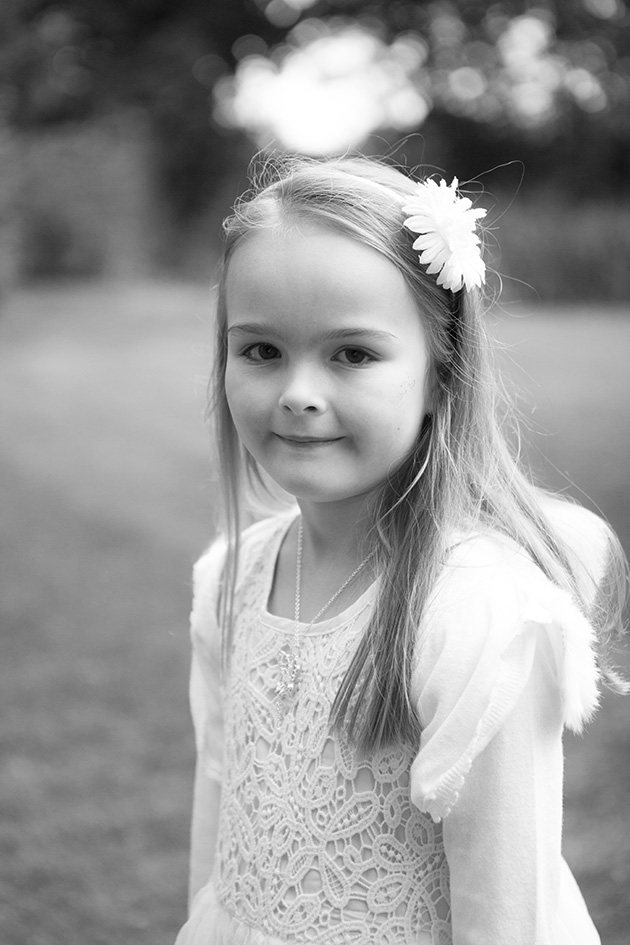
x=289, y=660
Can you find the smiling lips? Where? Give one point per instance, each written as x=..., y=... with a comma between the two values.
x=295, y=440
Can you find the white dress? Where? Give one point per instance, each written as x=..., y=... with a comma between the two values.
x=455, y=841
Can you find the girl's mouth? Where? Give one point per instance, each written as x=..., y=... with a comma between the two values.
x=307, y=440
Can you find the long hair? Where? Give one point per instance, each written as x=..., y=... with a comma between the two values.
x=463, y=472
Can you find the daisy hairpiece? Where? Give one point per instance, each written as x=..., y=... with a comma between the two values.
x=448, y=243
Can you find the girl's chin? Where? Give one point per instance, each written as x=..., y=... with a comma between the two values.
x=315, y=494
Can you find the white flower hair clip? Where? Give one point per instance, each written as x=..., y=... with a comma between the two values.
x=447, y=226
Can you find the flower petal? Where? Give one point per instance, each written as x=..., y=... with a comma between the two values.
x=447, y=238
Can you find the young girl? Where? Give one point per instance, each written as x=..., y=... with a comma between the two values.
x=382, y=671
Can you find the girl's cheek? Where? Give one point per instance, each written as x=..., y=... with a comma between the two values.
x=407, y=388
x=242, y=401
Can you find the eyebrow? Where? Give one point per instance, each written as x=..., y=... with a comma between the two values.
x=366, y=334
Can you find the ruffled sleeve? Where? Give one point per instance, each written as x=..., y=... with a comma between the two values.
x=205, y=704
x=205, y=676
x=492, y=614
x=505, y=662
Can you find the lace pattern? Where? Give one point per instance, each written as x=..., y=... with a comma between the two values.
x=314, y=844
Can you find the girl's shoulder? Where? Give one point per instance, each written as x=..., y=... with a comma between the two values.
x=485, y=562
x=487, y=582
x=589, y=540
x=253, y=541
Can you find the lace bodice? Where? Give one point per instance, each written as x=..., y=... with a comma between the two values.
x=314, y=845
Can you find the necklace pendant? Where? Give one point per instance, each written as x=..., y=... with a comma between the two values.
x=290, y=671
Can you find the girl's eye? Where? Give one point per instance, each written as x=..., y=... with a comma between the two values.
x=354, y=356
x=261, y=352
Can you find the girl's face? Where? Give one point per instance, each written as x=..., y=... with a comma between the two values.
x=327, y=367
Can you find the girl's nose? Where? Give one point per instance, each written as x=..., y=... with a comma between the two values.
x=301, y=394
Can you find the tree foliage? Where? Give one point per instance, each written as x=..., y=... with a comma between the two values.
x=66, y=60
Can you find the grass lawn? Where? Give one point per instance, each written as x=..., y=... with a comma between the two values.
x=106, y=502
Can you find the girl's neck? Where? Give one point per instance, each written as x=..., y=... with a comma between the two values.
x=335, y=531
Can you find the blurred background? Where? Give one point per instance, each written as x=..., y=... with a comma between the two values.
x=126, y=129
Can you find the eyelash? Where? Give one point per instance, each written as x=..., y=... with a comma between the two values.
x=247, y=354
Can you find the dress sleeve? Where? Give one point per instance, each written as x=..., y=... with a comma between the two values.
x=205, y=704
x=205, y=675
x=505, y=661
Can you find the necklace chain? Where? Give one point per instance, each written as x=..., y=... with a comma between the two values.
x=290, y=666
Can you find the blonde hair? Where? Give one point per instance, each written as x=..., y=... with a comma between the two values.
x=462, y=472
